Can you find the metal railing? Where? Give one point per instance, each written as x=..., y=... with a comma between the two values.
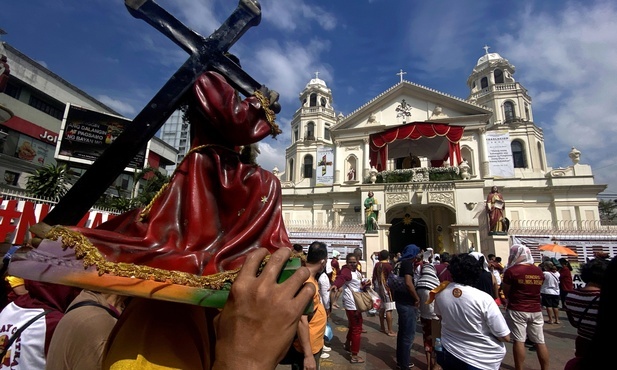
x=573, y=227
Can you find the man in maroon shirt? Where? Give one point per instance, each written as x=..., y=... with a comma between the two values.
x=443, y=273
x=521, y=285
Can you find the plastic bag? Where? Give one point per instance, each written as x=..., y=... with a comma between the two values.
x=375, y=298
x=328, y=335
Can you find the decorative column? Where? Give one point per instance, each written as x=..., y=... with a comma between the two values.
x=337, y=171
x=366, y=165
x=484, y=170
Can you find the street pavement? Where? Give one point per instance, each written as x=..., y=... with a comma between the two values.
x=378, y=349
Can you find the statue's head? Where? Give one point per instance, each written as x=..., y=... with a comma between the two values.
x=370, y=194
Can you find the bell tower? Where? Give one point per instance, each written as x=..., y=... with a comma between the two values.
x=492, y=84
x=310, y=129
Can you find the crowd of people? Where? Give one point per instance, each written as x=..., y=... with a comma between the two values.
x=473, y=304
x=455, y=300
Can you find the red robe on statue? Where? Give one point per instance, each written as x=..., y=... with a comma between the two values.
x=215, y=209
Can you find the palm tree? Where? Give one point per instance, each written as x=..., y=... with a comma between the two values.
x=150, y=187
x=48, y=182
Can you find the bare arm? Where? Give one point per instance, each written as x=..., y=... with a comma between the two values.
x=495, y=286
x=412, y=289
x=305, y=343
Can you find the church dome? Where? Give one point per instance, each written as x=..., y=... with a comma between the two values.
x=488, y=57
x=316, y=82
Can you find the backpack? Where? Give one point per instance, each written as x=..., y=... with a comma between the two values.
x=395, y=282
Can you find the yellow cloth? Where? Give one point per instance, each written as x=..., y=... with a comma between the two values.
x=156, y=335
x=14, y=281
x=317, y=325
x=434, y=292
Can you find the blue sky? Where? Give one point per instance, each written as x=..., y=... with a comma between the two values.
x=564, y=53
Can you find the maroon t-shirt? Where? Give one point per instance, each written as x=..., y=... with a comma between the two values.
x=443, y=272
x=525, y=282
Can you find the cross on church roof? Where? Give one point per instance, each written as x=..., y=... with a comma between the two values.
x=401, y=73
x=486, y=47
x=316, y=74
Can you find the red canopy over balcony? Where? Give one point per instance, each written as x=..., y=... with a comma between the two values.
x=436, y=141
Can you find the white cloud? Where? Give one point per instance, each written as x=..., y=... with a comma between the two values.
x=119, y=106
x=288, y=68
x=272, y=154
x=293, y=15
x=568, y=58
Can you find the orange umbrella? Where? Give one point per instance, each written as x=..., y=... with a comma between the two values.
x=556, y=248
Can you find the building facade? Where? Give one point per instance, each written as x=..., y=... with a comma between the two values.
x=32, y=107
x=431, y=160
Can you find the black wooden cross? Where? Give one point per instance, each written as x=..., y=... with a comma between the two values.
x=204, y=54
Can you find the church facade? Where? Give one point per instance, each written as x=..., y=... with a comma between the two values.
x=431, y=159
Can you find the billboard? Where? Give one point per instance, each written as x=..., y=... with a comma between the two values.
x=85, y=134
x=500, y=160
x=325, y=166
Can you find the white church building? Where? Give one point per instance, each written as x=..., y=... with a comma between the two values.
x=431, y=159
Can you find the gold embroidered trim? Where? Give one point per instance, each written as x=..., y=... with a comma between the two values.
x=270, y=115
x=91, y=256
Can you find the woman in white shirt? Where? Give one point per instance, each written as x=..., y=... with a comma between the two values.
x=550, y=291
x=473, y=329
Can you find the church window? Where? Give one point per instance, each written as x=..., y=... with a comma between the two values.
x=508, y=110
x=310, y=131
x=518, y=154
x=326, y=134
x=527, y=112
x=324, y=102
x=308, y=167
x=498, y=76
x=296, y=134
x=313, y=102
x=484, y=83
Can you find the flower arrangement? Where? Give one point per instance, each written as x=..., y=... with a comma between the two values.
x=418, y=174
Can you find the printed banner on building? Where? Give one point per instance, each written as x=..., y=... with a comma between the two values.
x=85, y=134
x=500, y=161
x=16, y=217
x=325, y=166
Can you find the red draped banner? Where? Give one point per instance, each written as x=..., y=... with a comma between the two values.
x=413, y=131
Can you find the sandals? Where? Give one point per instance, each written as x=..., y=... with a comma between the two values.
x=357, y=360
x=391, y=334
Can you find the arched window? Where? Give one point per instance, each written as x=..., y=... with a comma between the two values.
x=498, y=76
x=484, y=83
x=518, y=154
x=308, y=167
x=313, y=102
x=508, y=110
x=527, y=111
x=290, y=171
x=296, y=134
x=351, y=168
x=467, y=154
x=310, y=131
x=323, y=101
